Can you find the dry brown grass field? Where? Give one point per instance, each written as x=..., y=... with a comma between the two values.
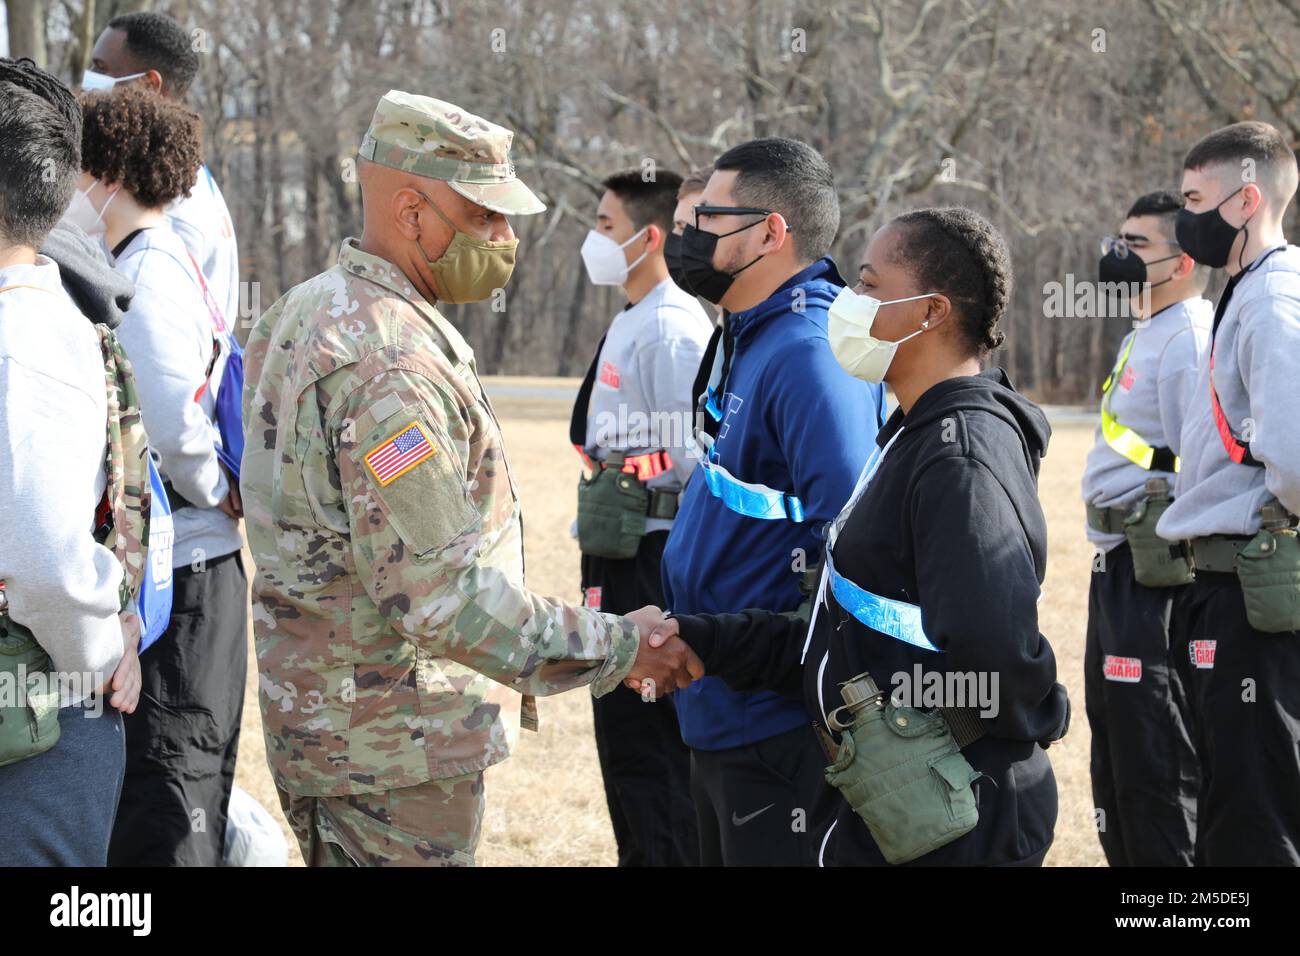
x=545, y=804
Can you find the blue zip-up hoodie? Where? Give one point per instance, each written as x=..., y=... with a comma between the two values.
x=794, y=420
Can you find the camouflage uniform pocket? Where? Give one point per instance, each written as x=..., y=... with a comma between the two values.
x=436, y=823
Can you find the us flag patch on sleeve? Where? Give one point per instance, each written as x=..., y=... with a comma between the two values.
x=399, y=454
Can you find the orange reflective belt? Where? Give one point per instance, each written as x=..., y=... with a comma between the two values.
x=1237, y=450
x=645, y=466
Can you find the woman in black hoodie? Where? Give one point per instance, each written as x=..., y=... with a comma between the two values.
x=946, y=519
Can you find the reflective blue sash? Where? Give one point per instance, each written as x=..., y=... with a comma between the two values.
x=753, y=501
x=898, y=619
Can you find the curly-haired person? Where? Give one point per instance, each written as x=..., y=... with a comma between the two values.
x=932, y=576
x=139, y=152
x=153, y=51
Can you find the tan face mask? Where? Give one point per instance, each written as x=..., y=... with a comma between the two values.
x=471, y=269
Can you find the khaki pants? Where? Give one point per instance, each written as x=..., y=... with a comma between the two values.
x=433, y=824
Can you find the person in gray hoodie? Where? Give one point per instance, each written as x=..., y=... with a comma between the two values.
x=1144, y=770
x=96, y=289
x=59, y=582
x=139, y=152
x=1234, y=641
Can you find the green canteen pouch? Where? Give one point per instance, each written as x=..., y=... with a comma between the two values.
x=612, y=509
x=29, y=699
x=1157, y=562
x=900, y=770
x=1269, y=570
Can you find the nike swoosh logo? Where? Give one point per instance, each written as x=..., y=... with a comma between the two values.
x=741, y=821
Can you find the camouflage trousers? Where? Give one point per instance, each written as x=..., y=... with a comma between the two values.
x=433, y=824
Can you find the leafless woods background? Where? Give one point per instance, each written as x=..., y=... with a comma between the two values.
x=1049, y=117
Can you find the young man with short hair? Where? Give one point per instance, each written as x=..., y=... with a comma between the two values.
x=1234, y=630
x=635, y=406
x=786, y=432
x=1144, y=770
x=688, y=194
x=61, y=587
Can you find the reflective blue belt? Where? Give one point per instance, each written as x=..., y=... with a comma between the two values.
x=754, y=501
x=898, y=619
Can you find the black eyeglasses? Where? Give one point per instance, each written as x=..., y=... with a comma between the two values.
x=707, y=210
x=1122, y=245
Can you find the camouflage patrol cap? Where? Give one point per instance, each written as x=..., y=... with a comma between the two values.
x=439, y=140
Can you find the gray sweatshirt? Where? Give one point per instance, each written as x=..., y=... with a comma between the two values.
x=1257, y=376
x=167, y=334
x=1149, y=396
x=641, y=400
x=60, y=583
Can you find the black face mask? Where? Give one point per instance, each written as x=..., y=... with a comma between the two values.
x=698, y=273
x=1206, y=236
x=673, y=258
x=1129, y=269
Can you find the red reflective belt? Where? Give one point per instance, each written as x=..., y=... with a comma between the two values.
x=212, y=363
x=645, y=466
x=1237, y=451
x=649, y=465
x=218, y=323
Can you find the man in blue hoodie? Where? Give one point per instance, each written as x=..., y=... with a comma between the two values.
x=784, y=432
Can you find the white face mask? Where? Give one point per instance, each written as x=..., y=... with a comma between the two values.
x=90, y=80
x=849, y=322
x=82, y=213
x=604, y=258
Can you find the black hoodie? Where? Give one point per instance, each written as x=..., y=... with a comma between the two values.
x=950, y=522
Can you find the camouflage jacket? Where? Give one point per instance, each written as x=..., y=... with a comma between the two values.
x=385, y=527
x=128, y=494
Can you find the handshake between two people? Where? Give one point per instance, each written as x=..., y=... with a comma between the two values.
x=664, y=662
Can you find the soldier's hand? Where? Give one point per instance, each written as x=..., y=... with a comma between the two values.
x=661, y=667
x=659, y=632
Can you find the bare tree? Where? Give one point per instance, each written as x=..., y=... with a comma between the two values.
x=27, y=30
x=1050, y=119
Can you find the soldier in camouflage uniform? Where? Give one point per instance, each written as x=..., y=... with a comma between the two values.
x=384, y=520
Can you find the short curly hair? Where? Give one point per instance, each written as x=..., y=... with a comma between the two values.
x=156, y=41
x=961, y=254
x=151, y=145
